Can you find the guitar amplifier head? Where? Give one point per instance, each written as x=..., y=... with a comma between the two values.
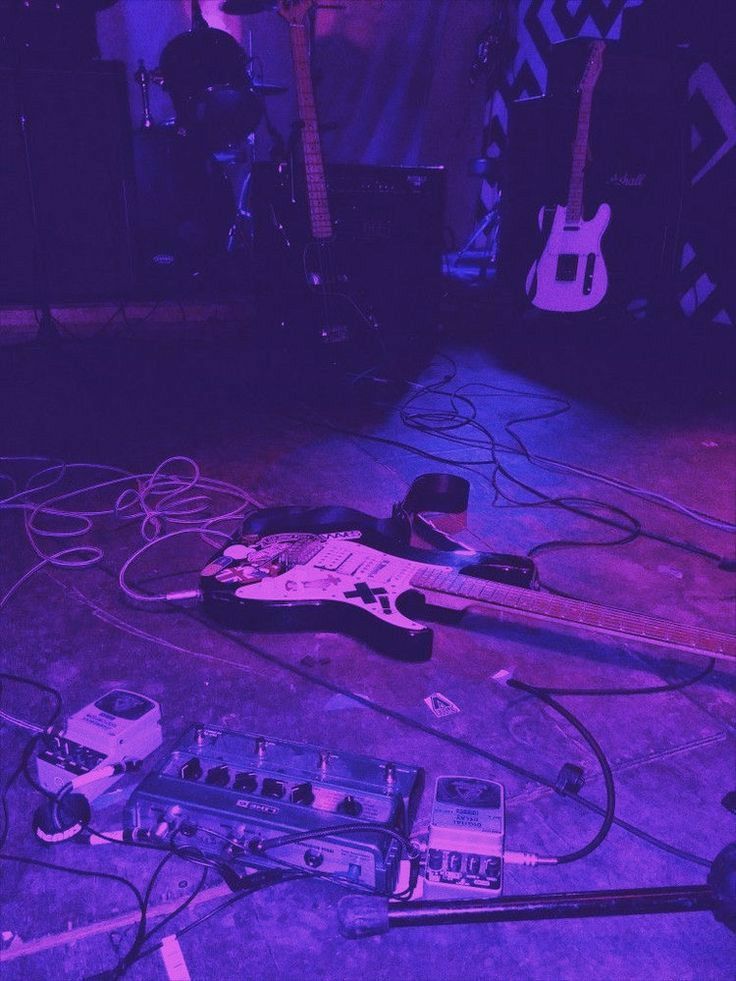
x=227, y=792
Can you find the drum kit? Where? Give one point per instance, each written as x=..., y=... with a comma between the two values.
x=205, y=153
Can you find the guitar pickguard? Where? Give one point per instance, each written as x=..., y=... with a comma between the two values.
x=283, y=580
x=570, y=276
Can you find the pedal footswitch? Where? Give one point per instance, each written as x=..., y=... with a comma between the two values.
x=465, y=845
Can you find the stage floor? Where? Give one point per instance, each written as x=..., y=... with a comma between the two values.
x=642, y=409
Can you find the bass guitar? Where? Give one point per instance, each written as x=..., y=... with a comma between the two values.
x=338, y=313
x=356, y=581
x=570, y=275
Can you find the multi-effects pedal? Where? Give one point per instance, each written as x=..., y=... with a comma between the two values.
x=227, y=793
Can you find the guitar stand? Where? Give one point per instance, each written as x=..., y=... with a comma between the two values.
x=489, y=169
x=367, y=916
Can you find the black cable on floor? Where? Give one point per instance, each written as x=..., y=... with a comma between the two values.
x=80, y=872
x=645, y=690
x=610, y=809
x=270, y=877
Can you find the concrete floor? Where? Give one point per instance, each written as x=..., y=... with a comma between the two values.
x=647, y=406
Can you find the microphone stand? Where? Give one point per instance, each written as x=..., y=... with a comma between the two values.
x=366, y=916
x=47, y=325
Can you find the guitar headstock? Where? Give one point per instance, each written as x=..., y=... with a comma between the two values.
x=295, y=11
x=593, y=66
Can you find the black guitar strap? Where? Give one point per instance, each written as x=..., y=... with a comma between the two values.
x=430, y=494
x=437, y=493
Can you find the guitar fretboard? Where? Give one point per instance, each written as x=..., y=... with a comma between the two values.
x=574, y=210
x=590, y=615
x=319, y=210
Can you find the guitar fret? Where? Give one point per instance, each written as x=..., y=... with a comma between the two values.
x=319, y=212
x=545, y=605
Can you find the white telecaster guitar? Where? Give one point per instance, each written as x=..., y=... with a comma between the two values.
x=570, y=275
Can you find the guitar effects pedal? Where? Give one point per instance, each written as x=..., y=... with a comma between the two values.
x=119, y=727
x=465, y=845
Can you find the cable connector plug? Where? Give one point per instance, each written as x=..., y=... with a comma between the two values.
x=528, y=858
x=570, y=780
x=183, y=595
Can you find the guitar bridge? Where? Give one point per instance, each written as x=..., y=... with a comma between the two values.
x=588, y=277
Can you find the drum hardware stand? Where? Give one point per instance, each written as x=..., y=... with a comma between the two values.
x=488, y=168
x=143, y=78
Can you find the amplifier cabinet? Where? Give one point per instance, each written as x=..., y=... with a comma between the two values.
x=78, y=169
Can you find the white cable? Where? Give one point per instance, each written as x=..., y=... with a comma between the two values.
x=528, y=858
x=21, y=723
x=175, y=493
x=144, y=597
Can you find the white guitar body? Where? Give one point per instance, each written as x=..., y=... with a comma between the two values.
x=570, y=276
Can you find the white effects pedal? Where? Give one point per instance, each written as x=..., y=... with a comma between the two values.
x=466, y=834
x=120, y=727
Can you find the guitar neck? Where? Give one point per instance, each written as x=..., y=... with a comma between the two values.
x=574, y=210
x=545, y=606
x=319, y=211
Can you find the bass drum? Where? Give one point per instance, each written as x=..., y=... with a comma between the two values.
x=205, y=72
x=184, y=211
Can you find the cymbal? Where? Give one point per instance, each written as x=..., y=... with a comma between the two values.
x=241, y=8
x=268, y=88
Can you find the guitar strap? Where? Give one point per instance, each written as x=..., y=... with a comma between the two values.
x=430, y=493
x=436, y=493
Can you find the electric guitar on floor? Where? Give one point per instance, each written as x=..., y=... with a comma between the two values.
x=356, y=581
x=570, y=275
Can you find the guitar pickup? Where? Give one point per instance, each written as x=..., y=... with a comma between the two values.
x=588, y=277
x=331, y=561
x=567, y=268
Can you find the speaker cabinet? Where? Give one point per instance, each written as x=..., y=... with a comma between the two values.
x=388, y=244
x=75, y=167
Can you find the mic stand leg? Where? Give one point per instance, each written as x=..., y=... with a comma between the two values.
x=47, y=329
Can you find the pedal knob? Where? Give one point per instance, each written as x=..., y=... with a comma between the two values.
x=350, y=807
x=218, y=776
x=302, y=794
x=191, y=770
x=272, y=788
x=247, y=782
